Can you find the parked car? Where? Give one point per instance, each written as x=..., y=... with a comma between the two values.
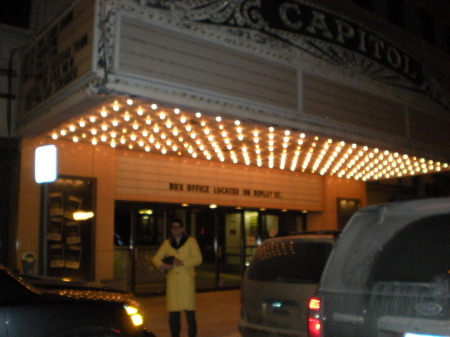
x=388, y=275
x=283, y=274
x=35, y=307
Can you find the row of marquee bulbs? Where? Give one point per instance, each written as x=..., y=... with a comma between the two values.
x=142, y=131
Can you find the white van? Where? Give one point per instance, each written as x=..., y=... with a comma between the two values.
x=283, y=274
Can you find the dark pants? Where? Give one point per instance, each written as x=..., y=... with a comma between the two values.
x=175, y=323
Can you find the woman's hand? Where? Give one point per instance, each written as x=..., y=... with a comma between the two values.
x=166, y=266
x=177, y=262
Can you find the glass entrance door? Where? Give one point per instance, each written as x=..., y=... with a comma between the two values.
x=244, y=232
x=252, y=235
x=204, y=227
x=233, y=242
x=270, y=225
x=139, y=229
x=219, y=234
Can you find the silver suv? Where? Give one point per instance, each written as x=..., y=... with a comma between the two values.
x=388, y=275
x=283, y=274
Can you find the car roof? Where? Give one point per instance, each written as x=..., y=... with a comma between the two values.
x=310, y=234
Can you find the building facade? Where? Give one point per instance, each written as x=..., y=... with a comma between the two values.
x=246, y=119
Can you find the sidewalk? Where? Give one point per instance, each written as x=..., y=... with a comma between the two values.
x=217, y=314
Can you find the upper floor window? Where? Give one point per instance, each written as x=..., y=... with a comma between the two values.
x=396, y=12
x=447, y=38
x=367, y=4
x=15, y=13
x=428, y=32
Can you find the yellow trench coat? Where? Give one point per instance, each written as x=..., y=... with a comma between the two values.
x=180, y=280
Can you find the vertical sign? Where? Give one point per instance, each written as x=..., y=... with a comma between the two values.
x=58, y=57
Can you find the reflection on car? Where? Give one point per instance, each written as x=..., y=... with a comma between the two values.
x=388, y=275
x=35, y=307
x=283, y=274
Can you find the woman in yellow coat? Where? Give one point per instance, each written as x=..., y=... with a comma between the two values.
x=178, y=256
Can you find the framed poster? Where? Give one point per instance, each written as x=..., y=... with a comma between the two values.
x=67, y=241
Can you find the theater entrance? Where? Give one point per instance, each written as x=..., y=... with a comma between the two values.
x=227, y=237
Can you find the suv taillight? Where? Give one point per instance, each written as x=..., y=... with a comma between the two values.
x=314, y=323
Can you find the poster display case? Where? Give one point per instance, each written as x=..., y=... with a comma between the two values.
x=68, y=226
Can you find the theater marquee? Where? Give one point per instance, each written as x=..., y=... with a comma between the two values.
x=307, y=27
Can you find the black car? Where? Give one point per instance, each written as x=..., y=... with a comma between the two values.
x=35, y=307
x=388, y=275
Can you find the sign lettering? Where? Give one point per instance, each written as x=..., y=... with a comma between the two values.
x=305, y=20
x=223, y=190
x=175, y=187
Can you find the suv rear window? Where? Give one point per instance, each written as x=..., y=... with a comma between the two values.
x=290, y=261
x=418, y=253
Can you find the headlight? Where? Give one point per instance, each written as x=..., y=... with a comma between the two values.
x=134, y=312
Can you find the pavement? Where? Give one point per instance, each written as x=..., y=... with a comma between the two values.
x=217, y=314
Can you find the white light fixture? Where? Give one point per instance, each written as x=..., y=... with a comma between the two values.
x=82, y=215
x=45, y=164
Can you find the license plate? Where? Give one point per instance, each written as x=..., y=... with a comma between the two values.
x=410, y=334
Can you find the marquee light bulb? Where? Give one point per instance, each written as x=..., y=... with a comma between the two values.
x=351, y=161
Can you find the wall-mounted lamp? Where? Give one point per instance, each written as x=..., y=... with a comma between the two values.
x=82, y=215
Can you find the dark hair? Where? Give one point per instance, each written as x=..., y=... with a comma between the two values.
x=177, y=221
